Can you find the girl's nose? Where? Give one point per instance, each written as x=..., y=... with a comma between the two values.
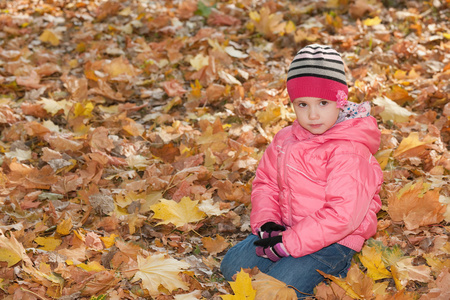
x=313, y=114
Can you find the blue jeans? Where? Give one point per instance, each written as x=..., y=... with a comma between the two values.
x=298, y=272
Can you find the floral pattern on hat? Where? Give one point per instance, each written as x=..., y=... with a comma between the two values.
x=341, y=99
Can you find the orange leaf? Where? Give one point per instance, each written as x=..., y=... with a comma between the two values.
x=215, y=246
x=416, y=208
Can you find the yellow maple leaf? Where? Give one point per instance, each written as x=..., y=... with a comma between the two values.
x=83, y=109
x=267, y=23
x=196, y=88
x=273, y=113
x=242, y=288
x=92, y=266
x=156, y=270
x=11, y=251
x=49, y=36
x=109, y=241
x=372, y=21
x=64, y=227
x=179, y=214
x=371, y=258
x=383, y=157
x=48, y=243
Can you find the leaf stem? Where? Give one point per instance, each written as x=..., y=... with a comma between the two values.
x=31, y=292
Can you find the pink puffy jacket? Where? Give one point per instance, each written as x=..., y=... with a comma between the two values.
x=323, y=188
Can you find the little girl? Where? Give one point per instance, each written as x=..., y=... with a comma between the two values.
x=315, y=194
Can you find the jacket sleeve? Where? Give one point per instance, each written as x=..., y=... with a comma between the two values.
x=350, y=195
x=265, y=190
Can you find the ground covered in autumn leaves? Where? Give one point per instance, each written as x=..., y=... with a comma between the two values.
x=131, y=131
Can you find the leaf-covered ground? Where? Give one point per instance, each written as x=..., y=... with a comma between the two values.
x=131, y=131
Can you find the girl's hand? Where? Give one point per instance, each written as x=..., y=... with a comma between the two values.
x=270, y=229
x=271, y=248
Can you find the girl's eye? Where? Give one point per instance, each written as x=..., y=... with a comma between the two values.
x=302, y=104
x=323, y=103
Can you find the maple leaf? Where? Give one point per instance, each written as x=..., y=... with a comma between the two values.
x=156, y=270
x=267, y=23
x=49, y=36
x=48, y=243
x=273, y=113
x=269, y=288
x=215, y=246
x=416, y=207
x=392, y=111
x=11, y=251
x=242, y=288
x=210, y=208
x=412, y=146
x=356, y=285
x=370, y=257
x=179, y=214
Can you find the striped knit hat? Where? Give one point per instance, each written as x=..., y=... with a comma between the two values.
x=318, y=71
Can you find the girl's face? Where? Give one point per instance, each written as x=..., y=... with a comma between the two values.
x=315, y=114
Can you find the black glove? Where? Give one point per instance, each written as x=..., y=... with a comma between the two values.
x=270, y=229
x=271, y=248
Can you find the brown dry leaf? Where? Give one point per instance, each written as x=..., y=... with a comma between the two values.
x=105, y=89
x=173, y=88
x=330, y=291
x=216, y=245
x=78, y=87
x=99, y=139
x=440, y=290
x=121, y=69
x=416, y=206
x=99, y=283
x=63, y=143
x=269, y=288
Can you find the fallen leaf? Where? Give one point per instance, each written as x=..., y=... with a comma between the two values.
x=64, y=227
x=156, y=270
x=392, y=111
x=242, y=288
x=48, y=243
x=11, y=251
x=215, y=246
x=269, y=288
x=371, y=259
x=416, y=207
x=372, y=21
x=49, y=36
x=179, y=214
x=410, y=143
